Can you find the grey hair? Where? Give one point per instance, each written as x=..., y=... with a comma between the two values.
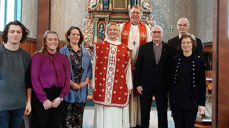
x=158, y=27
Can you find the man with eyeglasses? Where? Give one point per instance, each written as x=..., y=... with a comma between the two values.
x=133, y=34
x=151, y=77
x=183, y=26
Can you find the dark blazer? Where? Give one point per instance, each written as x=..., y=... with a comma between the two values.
x=197, y=75
x=148, y=74
x=174, y=43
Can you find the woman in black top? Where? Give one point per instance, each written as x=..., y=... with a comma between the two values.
x=187, y=91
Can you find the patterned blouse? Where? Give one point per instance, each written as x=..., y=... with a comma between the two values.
x=76, y=61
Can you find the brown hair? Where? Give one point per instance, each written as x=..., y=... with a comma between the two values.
x=25, y=31
x=69, y=32
x=193, y=40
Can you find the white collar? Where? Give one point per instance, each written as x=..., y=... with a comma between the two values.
x=116, y=42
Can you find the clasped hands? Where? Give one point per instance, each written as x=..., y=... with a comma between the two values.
x=47, y=104
x=79, y=86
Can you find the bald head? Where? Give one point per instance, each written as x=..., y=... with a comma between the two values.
x=183, y=26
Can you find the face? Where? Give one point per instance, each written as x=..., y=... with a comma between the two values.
x=14, y=34
x=157, y=34
x=74, y=36
x=186, y=45
x=182, y=26
x=112, y=32
x=135, y=15
x=51, y=42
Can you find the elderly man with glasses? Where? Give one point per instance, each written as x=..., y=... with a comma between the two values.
x=151, y=77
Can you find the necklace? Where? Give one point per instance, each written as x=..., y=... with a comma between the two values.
x=134, y=34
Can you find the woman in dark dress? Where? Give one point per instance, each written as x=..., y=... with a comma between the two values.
x=187, y=91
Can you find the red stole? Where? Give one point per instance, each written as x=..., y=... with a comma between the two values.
x=110, y=74
x=126, y=30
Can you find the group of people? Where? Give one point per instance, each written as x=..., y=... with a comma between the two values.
x=132, y=65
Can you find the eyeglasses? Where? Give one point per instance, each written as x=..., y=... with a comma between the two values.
x=186, y=42
x=136, y=13
x=112, y=29
x=156, y=32
x=184, y=25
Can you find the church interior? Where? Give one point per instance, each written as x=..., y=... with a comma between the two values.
x=209, y=21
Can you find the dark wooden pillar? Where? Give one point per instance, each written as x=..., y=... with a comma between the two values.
x=44, y=16
x=221, y=65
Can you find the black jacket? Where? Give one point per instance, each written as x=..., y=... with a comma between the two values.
x=197, y=76
x=148, y=74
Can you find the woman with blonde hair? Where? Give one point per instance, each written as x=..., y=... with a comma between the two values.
x=112, y=81
x=50, y=78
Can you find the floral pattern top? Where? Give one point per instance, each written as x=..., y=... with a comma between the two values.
x=76, y=61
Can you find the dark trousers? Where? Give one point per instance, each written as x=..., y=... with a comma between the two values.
x=184, y=118
x=162, y=105
x=49, y=118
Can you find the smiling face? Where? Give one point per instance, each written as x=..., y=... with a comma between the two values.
x=135, y=15
x=14, y=35
x=113, y=32
x=51, y=42
x=186, y=44
x=74, y=36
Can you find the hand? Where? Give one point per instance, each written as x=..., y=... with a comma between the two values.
x=76, y=86
x=56, y=102
x=47, y=104
x=27, y=108
x=139, y=89
x=201, y=110
x=129, y=91
x=82, y=84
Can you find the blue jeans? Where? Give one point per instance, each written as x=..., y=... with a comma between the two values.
x=11, y=118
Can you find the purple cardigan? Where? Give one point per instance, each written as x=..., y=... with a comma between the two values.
x=48, y=70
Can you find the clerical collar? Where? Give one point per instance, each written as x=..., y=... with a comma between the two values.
x=134, y=24
x=157, y=44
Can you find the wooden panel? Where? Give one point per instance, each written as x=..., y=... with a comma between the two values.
x=220, y=65
x=43, y=20
x=29, y=46
x=223, y=88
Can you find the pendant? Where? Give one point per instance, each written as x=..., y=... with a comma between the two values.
x=134, y=43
